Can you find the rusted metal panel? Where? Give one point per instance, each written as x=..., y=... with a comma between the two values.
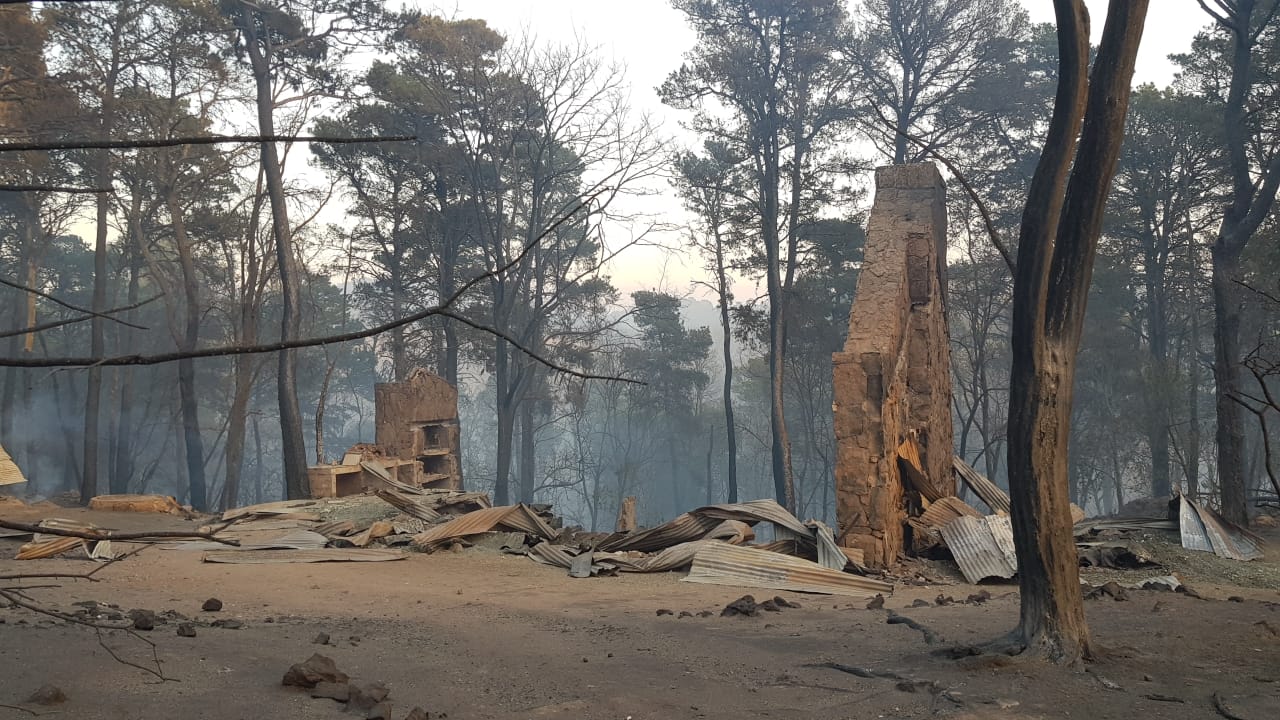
x=991, y=494
x=512, y=517
x=9, y=472
x=686, y=527
x=977, y=550
x=913, y=470
x=755, y=511
x=40, y=549
x=945, y=510
x=720, y=564
x=408, y=505
x=1201, y=526
x=268, y=557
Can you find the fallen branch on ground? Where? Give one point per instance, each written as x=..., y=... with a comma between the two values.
x=101, y=535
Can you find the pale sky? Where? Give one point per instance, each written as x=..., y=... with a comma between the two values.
x=650, y=37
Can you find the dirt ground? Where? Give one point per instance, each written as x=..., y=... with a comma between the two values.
x=480, y=635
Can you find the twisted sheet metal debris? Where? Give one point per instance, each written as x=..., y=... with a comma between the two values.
x=268, y=557
x=982, y=546
x=991, y=494
x=1203, y=529
x=9, y=472
x=520, y=518
x=723, y=564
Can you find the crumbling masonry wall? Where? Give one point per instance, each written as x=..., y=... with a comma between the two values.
x=418, y=420
x=892, y=380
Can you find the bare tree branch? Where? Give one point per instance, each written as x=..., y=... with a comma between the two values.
x=51, y=188
x=442, y=309
x=198, y=140
x=101, y=535
x=928, y=148
x=69, y=321
x=65, y=304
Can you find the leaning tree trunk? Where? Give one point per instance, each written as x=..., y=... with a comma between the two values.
x=293, y=447
x=1226, y=375
x=1057, y=245
x=193, y=441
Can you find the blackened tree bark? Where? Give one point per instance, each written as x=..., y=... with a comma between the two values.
x=1253, y=193
x=1057, y=244
x=293, y=446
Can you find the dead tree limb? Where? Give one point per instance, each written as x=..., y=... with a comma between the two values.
x=1000, y=245
x=442, y=309
x=195, y=140
x=71, y=321
x=19, y=286
x=52, y=188
x=103, y=535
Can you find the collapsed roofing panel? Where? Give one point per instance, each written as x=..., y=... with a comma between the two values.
x=1204, y=530
x=982, y=546
x=721, y=564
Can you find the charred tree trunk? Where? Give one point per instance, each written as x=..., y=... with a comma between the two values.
x=193, y=441
x=1253, y=194
x=726, y=339
x=293, y=447
x=1226, y=375
x=1057, y=245
x=528, y=447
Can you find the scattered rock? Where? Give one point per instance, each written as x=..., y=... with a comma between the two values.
x=918, y=603
x=338, y=691
x=1235, y=599
x=186, y=629
x=664, y=611
x=366, y=696
x=315, y=669
x=143, y=619
x=48, y=695
x=876, y=602
x=685, y=614
x=211, y=605
x=944, y=600
x=321, y=639
x=979, y=597
x=418, y=714
x=914, y=686
x=1112, y=589
x=1108, y=684
x=1006, y=703
x=1163, y=698
x=770, y=606
x=745, y=606
x=227, y=623
x=785, y=603
x=381, y=711
x=705, y=614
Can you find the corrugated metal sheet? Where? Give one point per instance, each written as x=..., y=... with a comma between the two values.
x=720, y=564
x=48, y=548
x=9, y=472
x=282, y=507
x=1225, y=539
x=1191, y=527
x=292, y=540
x=684, y=528
x=991, y=494
x=267, y=557
x=945, y=510
x=755, y=511
x=913, y=469
x=830, y=555
x=408, y=505
x=977, y=550
x=510, y=517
